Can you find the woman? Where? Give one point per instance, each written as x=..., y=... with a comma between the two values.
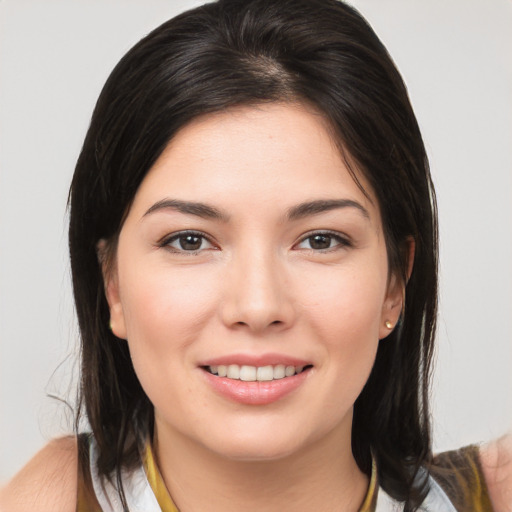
x=253, y=245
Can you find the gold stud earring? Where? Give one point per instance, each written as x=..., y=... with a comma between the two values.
x=388, y=324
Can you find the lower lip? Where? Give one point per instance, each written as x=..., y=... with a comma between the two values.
x=255, y=393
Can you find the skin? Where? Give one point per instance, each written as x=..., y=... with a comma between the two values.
x=254, y=286
x=496, y=459
x=48, y=482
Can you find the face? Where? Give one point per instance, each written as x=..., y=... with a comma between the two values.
x=251, y=284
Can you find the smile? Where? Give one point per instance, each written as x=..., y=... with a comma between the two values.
x=248, y=373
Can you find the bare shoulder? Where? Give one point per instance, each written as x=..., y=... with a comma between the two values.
x=47, y=483
x=496, y=460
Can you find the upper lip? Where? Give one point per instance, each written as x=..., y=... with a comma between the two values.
x=270, y=359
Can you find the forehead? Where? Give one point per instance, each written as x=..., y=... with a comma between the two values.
x=267, y=154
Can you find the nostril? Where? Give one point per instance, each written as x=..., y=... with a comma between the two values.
x=246, y=324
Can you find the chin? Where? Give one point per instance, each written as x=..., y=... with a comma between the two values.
x=257, y=446
x=261, y=452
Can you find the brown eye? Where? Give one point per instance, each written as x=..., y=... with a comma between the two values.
x=323, y=242
x=320, y=241
x=190, y=242
x=184, y=242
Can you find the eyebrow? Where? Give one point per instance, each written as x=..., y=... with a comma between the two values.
x=324, y=205
x=297, y=212
x=188, y=207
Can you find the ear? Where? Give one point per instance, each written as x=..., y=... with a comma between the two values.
x=394, y=302
x=111, y=286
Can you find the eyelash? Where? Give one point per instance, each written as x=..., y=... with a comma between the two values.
x=341, y=241
x=168, y=240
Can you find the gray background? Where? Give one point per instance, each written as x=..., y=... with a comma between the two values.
x=456, y=57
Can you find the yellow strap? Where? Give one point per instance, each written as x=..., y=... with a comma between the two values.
x=370, y=501
x=157, y=482
x=166, y=504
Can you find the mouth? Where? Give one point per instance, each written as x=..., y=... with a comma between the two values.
x=248, y=373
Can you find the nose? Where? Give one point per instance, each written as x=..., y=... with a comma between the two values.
x=257, y=295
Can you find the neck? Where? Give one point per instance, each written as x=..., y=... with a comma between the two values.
x=323, y=476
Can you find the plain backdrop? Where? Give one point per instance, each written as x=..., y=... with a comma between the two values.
x=456, y=58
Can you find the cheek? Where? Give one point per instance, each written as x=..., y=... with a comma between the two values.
x=346, y=304
x=164, y=311
x=344, y=314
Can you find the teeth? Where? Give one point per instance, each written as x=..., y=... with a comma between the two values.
x=255, y=373
x=248, y=373
x=233, y=371
x=289, y=371
x=265, y=373
x=279, y=371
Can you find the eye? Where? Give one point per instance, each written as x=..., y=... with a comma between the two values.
x=187, y=241
x=322, y=241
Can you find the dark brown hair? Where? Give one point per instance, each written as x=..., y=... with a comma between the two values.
x=239, y=52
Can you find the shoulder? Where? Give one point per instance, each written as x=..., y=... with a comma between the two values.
x=460, y=475
x=47, y=483
x=496, y=459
